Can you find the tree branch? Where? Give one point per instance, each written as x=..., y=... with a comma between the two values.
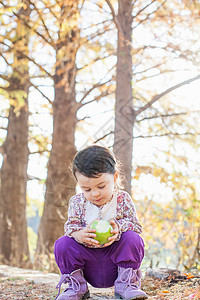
x=150, y=136
x=27, y=57
x=148, y=15
x=115, y=19
x=3, y=128
x=30, y=177
x=104, y=136
x=95, y=60
x=166, y=134
x=2, y=117
x=157, y=97
x=4, y=78
x=33, y=61
x=96, y=24
x=155, y=75
x=97, y=85
x=148, y=69
x=29, y=27
x=51, y=102
x=42, y=20
x=39, y=152
x=103, y=94
x=4, y=88
x=162, y=116
x=101, y=113
x=141, y=10
x=4, y=57
x=97, y=34
x=50, y=9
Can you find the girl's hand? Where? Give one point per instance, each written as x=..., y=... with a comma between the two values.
x=86, y=236
x=115, y=231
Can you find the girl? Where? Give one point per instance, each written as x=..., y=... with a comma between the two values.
x=78, y=255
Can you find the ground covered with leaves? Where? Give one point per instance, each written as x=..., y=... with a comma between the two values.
x=167, y=289
x=19, y=288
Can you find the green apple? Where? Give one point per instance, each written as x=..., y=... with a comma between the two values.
x=103, y=229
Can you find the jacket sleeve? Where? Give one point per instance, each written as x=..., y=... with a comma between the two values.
x=127, y=218
x=74, y=221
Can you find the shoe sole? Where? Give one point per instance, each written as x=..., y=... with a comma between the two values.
x=133, y=298
x=86, y=296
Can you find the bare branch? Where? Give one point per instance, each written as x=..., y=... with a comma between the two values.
x=3, y=128
x=167, y=134
x=170, y=134
x=141, y=10
x=42, y=20
x=29, y=58
x=30, y=27
x=33, y=61
x=162, y=116
x=95, y=60
x=148, y=15
x=148, y=69
x=97, y=34
x=39, y=152
x=96, y=24
x=5, y=59
x=95, y=115
x=168, y=115
x=4, y=88
x=157, y=97
x=38, y=76
x=115, y=19
x=104, y=136
x=49, y=7
x=102, y=95
x=31, y=177
x=2, y=117
x=97, y=85
x=170, y=130
x=4, y=78
x=51, y=102
x=155, y=75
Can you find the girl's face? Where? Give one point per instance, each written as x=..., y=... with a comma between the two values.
x=98, y=190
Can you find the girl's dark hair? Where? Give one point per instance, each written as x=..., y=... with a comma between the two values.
x=93, y=161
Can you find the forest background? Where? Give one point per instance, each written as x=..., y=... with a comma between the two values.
x=123, y=74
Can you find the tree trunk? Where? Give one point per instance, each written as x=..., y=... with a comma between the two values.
x=60, y=185
x=124, y=113
x=13, y=223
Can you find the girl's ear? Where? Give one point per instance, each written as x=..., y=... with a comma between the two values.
x=116, y=174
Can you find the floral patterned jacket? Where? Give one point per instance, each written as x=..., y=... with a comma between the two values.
x=126, y=216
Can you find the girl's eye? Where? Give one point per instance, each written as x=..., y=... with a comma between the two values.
x=87, y=190
x=101, y=187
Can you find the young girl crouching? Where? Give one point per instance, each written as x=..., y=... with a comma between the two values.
x=79, y=256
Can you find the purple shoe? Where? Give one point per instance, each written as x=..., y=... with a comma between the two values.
x=77, y=289
x=126, y=286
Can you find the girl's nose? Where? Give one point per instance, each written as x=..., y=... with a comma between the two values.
x=95, y=193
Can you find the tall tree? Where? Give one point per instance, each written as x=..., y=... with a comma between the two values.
x=13, y=224
x=130, y=104
x=60, y=186
x=62, y=42
x=124, y=115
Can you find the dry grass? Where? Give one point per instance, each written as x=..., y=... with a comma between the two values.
x=19, y=288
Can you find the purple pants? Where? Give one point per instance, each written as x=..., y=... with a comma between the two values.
x=99, y=265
